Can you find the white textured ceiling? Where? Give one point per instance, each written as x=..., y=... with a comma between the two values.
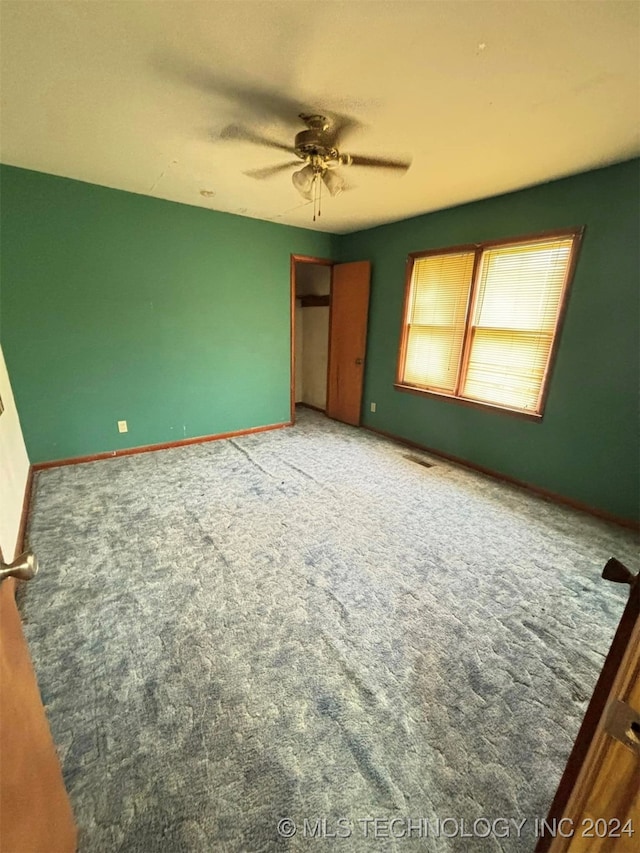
x=486, y=97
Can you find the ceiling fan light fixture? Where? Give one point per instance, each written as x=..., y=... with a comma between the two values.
x=303, y=181
x=318, y=147
x=333, y=182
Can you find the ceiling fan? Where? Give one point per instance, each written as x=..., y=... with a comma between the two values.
x=317, y=147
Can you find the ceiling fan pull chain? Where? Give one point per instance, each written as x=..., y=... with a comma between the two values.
x=319, y=148
x=317, y=189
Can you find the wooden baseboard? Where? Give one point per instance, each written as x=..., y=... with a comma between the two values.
x=315, y=408
x=150, y=448
x=538, y=490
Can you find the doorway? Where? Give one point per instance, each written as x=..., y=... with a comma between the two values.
x=329, y=310
x=311, y=301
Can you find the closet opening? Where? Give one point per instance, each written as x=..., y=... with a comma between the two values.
x=310, y=324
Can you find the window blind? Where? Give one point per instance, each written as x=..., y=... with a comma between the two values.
x=439, y=294
x=518, y=298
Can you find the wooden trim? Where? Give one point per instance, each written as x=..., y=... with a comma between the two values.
x=313, y=300
x=467, y=335
x=467, y=401
x=578, y=234
x=327, y=386
x=150, y=448
x=506, y=478
x=24, y=518
x=300, y=259
x=308, y=259
x=292, y=342
x=404, y=328
x=593, y=715
x=447, y=250
x=537, y=236
x=575, y=232
x=309, y=406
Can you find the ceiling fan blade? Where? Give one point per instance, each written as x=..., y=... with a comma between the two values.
x=378, y=163
x=261, y=100
x=243, y=134
x=268, y=171
x=342, y=126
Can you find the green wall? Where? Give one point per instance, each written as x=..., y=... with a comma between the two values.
x=117, y=306
x=586, y=446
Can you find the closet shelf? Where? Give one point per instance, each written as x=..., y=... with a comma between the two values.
x=314, y=301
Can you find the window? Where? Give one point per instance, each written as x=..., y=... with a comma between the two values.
x=481, y=321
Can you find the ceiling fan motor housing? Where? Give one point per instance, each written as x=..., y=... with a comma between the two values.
x=314, y=143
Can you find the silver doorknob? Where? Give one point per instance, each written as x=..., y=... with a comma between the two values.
x=23, y=567
x=358, y=361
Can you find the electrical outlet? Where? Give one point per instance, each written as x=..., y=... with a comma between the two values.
x=373, y=407
x=122, y=426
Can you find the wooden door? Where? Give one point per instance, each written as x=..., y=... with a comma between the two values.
x=35, y=815
x=597, y=806
x=348, y=340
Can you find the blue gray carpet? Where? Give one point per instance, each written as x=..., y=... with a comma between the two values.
x=306, y=625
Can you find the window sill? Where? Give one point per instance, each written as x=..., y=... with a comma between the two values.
x=464, y=401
